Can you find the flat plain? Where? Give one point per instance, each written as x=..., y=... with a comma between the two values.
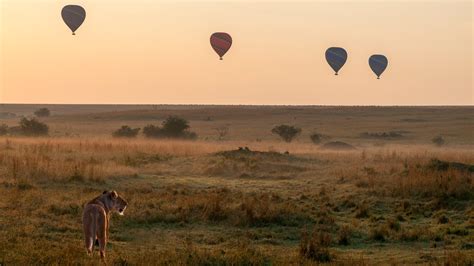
x=396, y=198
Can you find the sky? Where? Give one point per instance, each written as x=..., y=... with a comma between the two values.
x=158, y=52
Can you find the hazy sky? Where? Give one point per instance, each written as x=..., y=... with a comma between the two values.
x=137, y=51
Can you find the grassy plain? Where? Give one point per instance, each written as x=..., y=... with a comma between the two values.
x=389, y=201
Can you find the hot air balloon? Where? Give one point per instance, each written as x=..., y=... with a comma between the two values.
x=73, y=16
x=221, y=43
x=378, y=63
x=336, y=58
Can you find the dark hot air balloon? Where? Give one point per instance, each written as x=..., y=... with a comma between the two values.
x=221, y=43
x=336, y=58
x=73, y=16
x=378, y=63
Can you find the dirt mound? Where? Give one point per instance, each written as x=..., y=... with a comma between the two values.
x=439, y=165
x=245, y=163
x=337, y=145
x=246, y=152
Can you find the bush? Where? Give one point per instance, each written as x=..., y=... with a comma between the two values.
x=33, y=127
x=172, y=127
x=126, y=132
x=42, y=112
x=438, y=141
x=344, y=235
x=222, y=132
x=316, y=246
x=379, y=233
x=3, y=130
x=287, y=133
x=316, y=138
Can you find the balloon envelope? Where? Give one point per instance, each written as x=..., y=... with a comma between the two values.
x=73, y=16
x=378, y=63
x=336, y=58
x=221, y=43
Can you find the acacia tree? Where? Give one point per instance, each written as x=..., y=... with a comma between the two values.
x=286, y=132
x=172, y=127
x=33, y=127
x=42, y=112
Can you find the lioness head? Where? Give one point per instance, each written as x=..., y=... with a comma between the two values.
x=114, y=202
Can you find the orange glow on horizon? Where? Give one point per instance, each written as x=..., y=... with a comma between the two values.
x=158, y=52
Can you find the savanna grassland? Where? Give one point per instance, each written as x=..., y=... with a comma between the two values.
x=396, y=198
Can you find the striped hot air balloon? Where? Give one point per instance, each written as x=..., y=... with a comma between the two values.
x=221, y=43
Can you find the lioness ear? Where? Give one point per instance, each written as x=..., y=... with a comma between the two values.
x=113, y=194
x=105, y=192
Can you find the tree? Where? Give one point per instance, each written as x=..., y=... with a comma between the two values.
x=222, y=132
x=172, y=127
x=126, y=132
x=175, y=126
x=42, y=112
x=438, y=141
x=287, y=133
x=316, y=138
x=33, y=127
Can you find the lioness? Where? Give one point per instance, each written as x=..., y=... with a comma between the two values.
x=96, y=217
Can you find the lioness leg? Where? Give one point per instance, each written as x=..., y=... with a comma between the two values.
x=89, y=231
x=102, y=233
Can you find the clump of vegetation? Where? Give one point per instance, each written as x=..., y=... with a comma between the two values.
x=43, y=112
x=286, y=132
x=126, y=132
x=344, y=235
x=3, y=130
x=438, y=141
x=316, y=246
x=222, y=132
x=33, y=127
x=172, y=127
x=316, y=138
x=379, y=233
x=436, y=179
x=362, y=211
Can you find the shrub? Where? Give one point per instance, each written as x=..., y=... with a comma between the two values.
x=222, y=132
x=175, y=126
x=152, y=131
x=126, y=132
x=344, y=235
x=33, y=127
x=438, y=141
x=42, y=112
x=379, y=233
x=287, y=133
x=172, y=127
x=316, y=246
x=316, y=138
x=3, y=130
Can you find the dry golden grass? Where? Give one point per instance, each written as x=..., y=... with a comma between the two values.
x=206, y=203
